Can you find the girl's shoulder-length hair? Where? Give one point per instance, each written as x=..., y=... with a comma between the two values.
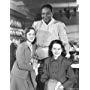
x=57, y=42
x=27, y=29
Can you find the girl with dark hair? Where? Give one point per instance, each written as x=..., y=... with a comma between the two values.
x=57, y=71
x=51, y=45
x=27, y=31
x=23, y=73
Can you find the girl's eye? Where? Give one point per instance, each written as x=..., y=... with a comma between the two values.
x=59, y=49
x=54, y=48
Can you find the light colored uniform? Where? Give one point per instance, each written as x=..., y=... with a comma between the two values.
x=48, y=32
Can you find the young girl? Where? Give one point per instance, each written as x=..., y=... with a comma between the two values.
x=57, y=72
x=22, y=71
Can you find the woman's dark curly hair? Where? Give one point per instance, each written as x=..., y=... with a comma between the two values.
x=57, y=42
x=28, y=30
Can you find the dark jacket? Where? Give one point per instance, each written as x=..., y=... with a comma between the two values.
x=59, y=70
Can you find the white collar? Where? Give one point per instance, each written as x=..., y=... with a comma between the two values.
x=52, y=20
x=29, y=44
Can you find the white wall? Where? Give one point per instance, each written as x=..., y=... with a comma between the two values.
x=73, y=32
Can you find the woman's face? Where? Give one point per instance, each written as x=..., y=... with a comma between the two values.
x=56, y=49
x=31, y=35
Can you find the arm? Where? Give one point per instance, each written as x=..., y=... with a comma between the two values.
x=67, y=61
x=21, y=59
x=70, y=78
x=45, y=76
x=35, y=25
x=63, y=36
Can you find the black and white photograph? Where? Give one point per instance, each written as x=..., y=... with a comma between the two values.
x=44, y=45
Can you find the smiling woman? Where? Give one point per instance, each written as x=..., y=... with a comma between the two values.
x=57, y=71
x=30, y=34
x=22, y=74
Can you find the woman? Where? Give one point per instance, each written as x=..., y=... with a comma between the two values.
x=22, y=74
x=57, y=73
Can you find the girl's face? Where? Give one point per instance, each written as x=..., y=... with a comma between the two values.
x=56, y=49
x=31, y=35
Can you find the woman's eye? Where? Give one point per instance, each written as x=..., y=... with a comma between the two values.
x=58, y=49
x=54, y=48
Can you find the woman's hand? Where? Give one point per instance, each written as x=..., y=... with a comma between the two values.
x=35, y=64
x=54, y=85
x=59, y=86
x=67, y=55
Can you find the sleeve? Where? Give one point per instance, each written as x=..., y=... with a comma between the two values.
x=35, y=25
x=21, y=60
x=70, y=78
x=63, y=36
x=68, y=61
x=45, y=75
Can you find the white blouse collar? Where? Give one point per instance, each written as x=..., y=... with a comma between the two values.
x=52, y=20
